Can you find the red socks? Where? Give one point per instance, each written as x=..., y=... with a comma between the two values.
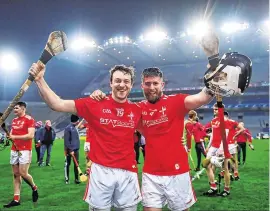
x=16, y=197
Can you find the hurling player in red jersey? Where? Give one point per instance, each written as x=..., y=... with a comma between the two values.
x=199, y=134
x=244, y=137
x=22, y=132
x=233, y=132
x=113, y=179
x=214, y=144
x=166, y=179
x=189, y=124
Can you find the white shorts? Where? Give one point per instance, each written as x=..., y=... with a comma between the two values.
x=233, y=149
x=176, y=191
x=86, y=146
x=24, y=157
x=212, y=151
x=109, y=187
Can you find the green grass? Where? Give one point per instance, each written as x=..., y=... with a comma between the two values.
x=250, y=193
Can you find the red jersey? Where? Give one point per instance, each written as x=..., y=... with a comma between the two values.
x=198, y=132
x=189, y=128
x=244, y=136
x=19, y=126
x=216, y=133
x=113, y=126
x=163, y=124
x=231, y=126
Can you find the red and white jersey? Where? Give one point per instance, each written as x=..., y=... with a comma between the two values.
x=113, y=126
x=244, y=136
x=216, y=133
x=231, y=126
x=163, y=125
x=189, y=124
x=20, y=126
x=198, y=132
x=89, y=132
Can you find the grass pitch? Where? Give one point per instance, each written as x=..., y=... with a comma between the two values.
x=250, y=193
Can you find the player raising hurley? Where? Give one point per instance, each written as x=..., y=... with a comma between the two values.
x=113, y=179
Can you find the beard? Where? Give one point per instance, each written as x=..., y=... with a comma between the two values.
x=152, y=98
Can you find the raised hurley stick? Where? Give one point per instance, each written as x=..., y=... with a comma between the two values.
x=57, y=43
x=222, y=126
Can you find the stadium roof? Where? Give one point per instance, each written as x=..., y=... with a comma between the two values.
x=25, y=26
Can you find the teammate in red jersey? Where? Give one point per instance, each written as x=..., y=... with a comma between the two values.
x=113, y=179
x=189, y=124
x=22, y=132
x=232, y=131
x=242, y=139
x=199, y=134
x=166, y=179
x=212, y=149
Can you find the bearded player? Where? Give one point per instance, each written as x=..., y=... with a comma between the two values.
x=22, y=132
x=166, y=180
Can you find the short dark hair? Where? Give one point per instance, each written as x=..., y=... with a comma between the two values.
x=226, y=113
x=74, y=118
x=21, y=104
x=216, y=106
x=124, y=69
x=151, y=72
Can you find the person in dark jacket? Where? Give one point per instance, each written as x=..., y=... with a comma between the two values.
x=46, y=138
x=38, y=126
x=71, y=147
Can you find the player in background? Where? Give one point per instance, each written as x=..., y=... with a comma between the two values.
x=231, y=132
x=22, y=132
x=242, y=139
x=214, y=145
x=188, y=127
x=199, y=134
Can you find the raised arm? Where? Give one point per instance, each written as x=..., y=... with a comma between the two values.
x=210, y=45
x=193, y=102
x=50, y=98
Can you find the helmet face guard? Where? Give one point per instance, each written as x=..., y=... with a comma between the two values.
x=231, y=77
